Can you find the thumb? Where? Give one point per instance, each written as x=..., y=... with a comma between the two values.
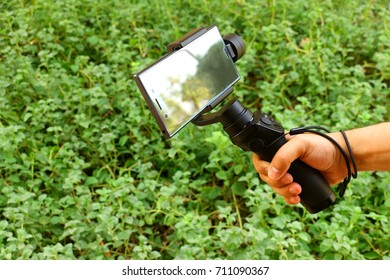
x=283, y=158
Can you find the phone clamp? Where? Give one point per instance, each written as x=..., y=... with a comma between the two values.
x=235, y=48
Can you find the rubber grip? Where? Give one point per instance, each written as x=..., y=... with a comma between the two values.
x=316, y=193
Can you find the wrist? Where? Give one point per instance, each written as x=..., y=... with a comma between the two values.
x=344, y=159
x=345, y=149
x=370, y=147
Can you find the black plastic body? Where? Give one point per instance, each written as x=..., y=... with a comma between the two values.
x=264, y=136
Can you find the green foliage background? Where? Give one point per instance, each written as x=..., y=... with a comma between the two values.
x=85, y=174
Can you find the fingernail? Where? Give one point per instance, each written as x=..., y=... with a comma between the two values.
x=273, y=173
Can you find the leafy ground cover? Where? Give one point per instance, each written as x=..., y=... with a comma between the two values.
x=85, y=174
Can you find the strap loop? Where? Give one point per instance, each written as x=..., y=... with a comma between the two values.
x=315, y=130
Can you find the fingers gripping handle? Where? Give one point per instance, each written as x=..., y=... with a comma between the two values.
x=316, y=193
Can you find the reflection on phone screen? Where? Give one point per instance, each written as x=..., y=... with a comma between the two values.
x=182, y=84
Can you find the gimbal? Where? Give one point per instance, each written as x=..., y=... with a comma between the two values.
x=259, y=133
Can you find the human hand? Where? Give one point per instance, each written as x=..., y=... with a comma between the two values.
x=312, y=149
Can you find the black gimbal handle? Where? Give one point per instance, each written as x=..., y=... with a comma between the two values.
x=316, y=193
x=264, y=136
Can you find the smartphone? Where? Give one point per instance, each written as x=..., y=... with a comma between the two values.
x=180, y=85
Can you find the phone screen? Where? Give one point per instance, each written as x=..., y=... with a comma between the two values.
x=182, y=84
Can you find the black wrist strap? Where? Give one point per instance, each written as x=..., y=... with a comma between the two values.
x=351, y=157
x=316, y=130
